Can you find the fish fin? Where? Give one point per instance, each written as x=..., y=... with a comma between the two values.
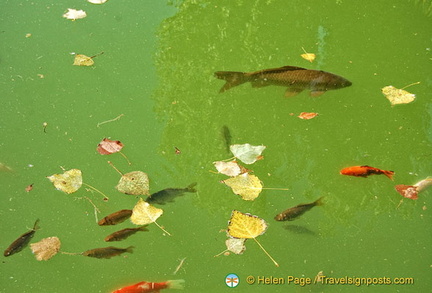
x=232, y=78
x=175, y=284
x=319, y=201
x=36, y=225
x=291, y=92
x=130, y=249
x=315, y=94
x=389, y=174
x=190, y=187
x=143, y=228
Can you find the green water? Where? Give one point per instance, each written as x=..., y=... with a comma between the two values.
x=157, y=70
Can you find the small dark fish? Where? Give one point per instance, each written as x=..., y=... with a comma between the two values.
x=107, y=252
x=125, y=233
x=295, y=212
x=168, y=194
x=22, y=241
x=297, y=79
x=226, y=134
x=115, y=218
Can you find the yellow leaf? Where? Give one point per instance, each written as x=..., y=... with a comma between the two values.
x=135, y=183
x=398, y=96
x=69, y=182
x=143, y=213
x=46, y=248
x=245, y=225
x=83, y=60
x=247, y=186
x=308, y=56
x=248, y=226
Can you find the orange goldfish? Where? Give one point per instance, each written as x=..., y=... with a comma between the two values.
x=143, y=287
x=365, y=171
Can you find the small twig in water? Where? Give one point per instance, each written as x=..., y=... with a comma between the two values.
x=179, y=266
x=111, y=120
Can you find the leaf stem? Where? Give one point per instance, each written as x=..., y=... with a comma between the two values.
x=97, y=190
x=162, y=228
x=265, y=251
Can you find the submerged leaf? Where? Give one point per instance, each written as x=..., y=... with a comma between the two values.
x=247, y=153
x=97, y=1
x=108, y=147
x=307, y=115
x=83, y=60
x=69, y=182
x=74, y=14
x=245, y=225
x=247, y=186
x=397, y=96
x=407, y=191
x=143, y=213
x=46, y=248
x=423, y=184
x=135, y=183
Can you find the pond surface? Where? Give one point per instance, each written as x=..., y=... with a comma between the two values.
x=154, y=90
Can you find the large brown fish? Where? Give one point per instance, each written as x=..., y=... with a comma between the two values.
x=22, y=241
x=123, y=234
x=295, y=212
x=116, y=218
x=297, y=79
x=107, y=252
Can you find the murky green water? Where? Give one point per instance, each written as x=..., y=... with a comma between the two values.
x=157, y=71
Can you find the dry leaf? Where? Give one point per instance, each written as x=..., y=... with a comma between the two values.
x=247, y=153
x=46, y=248
x=74, y=14
x=228, y=168
x=83, y=60
x=97, y=1
x=247, y=226
x=29, y=188
x=247, y=186
x=397, y=96
x=308, y=56
x=307, y=115
x=135, y=183
x=108, y=147
x=407, y=191
x=236, y=245
x=143, y=213
x=69, y=182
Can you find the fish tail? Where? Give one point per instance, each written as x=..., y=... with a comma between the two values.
x=175, y=284
x=232, y=78
x=143, y=228
x=191, y=188
x=36, y=225
x=130, y=249
x=389, y=174
x=319, y=201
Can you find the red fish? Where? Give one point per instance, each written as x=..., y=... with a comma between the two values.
x=365, y=171
x=143, y=287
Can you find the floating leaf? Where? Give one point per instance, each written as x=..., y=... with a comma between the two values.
x=69, y=182
x=423, y=184
x=135, y=183
x=108, y=147
x=74, y=14
x=308, y=56
x=228, y=168
x=83, y=60
x=247, y=153
x=97, y=1
x=46, y=248
x=247, y=186
x=307, y=115
x=247, y=226
x=143, y=213
x=407, y=191
x=236, y=245
x=29, y=188
x=398, y=96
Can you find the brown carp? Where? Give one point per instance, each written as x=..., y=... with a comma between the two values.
x=123, y=234
x=295, y=212
x=22, y=241
x=116, y=218
x=296, y=79
x=107, y=252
